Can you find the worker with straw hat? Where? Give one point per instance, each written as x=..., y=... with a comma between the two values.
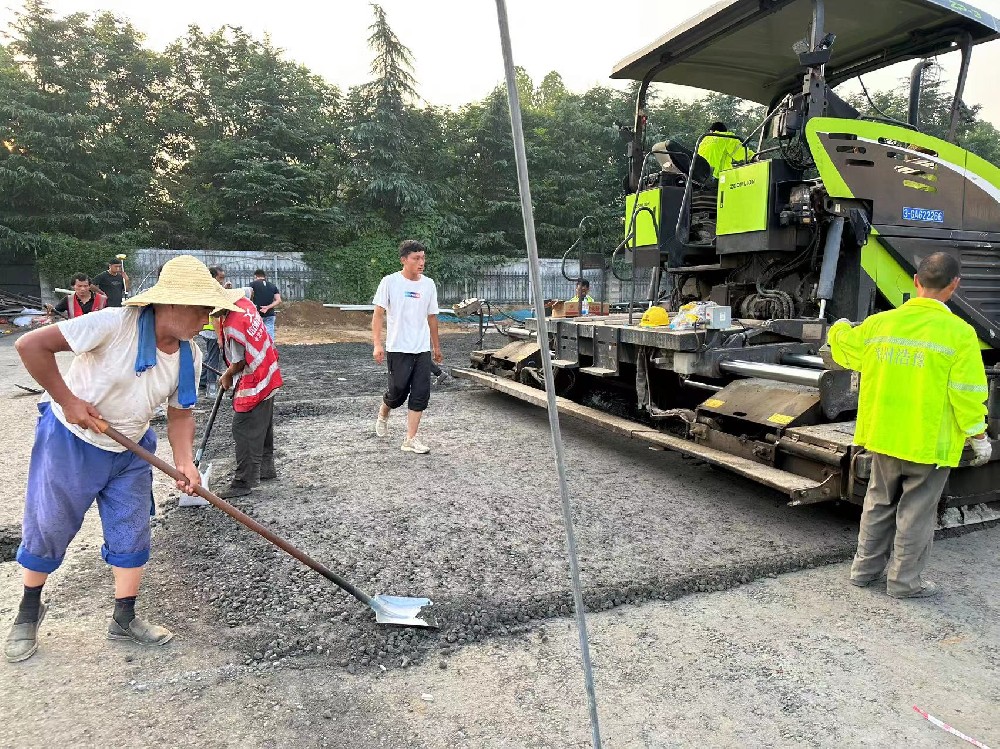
x=129, y=361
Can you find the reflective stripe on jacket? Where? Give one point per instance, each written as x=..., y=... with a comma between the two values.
x=923, y=384
x=262, y=375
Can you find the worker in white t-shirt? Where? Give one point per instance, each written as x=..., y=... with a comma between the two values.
x=129, y=361
x=406, y=304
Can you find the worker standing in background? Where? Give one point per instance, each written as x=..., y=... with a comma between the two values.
x=210, y=339
x=112, y=282
x=720, y=151
x=406, y=303
x=923, y=394
x=82, y=301
x=266, y=297
x=583, y=296
x=253, y=370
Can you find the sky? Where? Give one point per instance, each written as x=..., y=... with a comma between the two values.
x=455, y=43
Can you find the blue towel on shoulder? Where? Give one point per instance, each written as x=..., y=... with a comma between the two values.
x=187, y=391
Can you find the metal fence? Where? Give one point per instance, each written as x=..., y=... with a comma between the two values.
x=296, y=280
x=293, y=277
x=511, y=287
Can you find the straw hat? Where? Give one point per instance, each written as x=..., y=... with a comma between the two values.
x=233, y=295
x=185, y=280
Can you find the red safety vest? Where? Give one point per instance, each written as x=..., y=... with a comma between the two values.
x=262, y=375
x=75, y=309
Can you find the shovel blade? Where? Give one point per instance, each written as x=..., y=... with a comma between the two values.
x=400, y=610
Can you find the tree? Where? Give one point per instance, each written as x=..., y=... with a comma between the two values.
x=380, y=134
x=78, y=120
x=256, y=133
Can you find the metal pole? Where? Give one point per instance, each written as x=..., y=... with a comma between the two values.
x=557, y=446
x=803, y=360
x=916, y=77
x=963, y=74
x=778, y=372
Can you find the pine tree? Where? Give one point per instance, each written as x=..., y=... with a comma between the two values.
x=382, y=124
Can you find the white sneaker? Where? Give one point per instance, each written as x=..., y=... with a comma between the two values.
x=381, y=427
x=414, y=445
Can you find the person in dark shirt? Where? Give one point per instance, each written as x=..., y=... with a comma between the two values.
x=265, y=297
x=82, y=301
x=112, y=283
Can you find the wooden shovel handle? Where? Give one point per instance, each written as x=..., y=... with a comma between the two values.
x=234, y=513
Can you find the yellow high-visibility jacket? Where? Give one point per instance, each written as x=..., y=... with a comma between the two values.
x=923, y=384
x=720, y=153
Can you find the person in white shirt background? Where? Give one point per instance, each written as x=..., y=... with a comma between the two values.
x=406, y=304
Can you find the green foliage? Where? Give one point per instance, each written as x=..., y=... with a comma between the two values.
x=382, y=125
x=79, y=121
x=255, y=133
x=223, y=142
x=61, y=255
x=352, y=271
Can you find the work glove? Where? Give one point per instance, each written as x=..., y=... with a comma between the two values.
x=983, y=450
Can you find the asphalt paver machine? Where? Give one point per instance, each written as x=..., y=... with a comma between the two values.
x=828, y=219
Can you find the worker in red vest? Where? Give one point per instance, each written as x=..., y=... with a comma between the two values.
x=82, y=300
x=253, y=370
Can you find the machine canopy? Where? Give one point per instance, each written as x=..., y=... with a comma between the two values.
x=744, y=47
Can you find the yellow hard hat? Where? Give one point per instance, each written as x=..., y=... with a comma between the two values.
x=654, y=317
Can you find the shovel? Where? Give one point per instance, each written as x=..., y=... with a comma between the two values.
x=206, y=475
x=400, y=610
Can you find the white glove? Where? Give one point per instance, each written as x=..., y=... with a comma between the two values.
x=983, y=450
x=844, y=320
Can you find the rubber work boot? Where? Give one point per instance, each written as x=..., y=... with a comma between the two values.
x=140, y=631
x=927, y=589
x=22, y=642
x=414, y=445
x=381, y=427
x=235, y=490
x=268, y=472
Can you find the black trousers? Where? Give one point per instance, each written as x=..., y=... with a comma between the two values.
x=253, y=433
x=409, y=377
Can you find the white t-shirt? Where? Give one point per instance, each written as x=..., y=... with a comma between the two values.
x=407, y=304
x=103, y=373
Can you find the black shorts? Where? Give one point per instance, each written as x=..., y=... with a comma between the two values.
x=409, y=375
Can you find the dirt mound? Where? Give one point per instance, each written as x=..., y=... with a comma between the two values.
x=309, y=314
x=309, y=323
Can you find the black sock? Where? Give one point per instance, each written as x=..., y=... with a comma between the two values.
x=31, y=602
x=124, y=611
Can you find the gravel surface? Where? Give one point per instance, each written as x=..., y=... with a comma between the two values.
x=475, y=525
x=270, y=654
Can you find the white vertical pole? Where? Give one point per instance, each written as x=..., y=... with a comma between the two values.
x=538, y=300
